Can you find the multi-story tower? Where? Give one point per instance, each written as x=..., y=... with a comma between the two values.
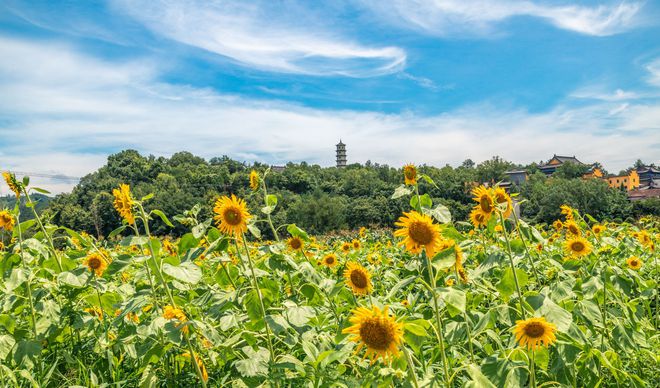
x=341, y=154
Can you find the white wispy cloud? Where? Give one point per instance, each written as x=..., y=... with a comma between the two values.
x=257, y=34
x=481, y=17
x=654, y=72
x=65, y=115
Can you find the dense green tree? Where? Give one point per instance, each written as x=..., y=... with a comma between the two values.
x=317, y=199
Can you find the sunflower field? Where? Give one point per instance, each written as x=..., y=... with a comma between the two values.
x=433, y=302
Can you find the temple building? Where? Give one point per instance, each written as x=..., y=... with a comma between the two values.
x=341, y=154
x=627, y=182
x=551, y=166
x=647, y=175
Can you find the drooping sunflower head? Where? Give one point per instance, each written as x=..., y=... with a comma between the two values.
x=6, y=221
x=478, y=217
x=572, y=228
x=410, y=174
x=503, y=200
x=535, y=332
x=295, y=243
x=13, y=184
x=634, y=263
x=377, y=331
x=96, y=263
x=644, y=238
x=254, y=180
x=567, y=211
x=358, y=278
x=330, y=260
x=484, y=197
x=231, y=215
x=124, y=203
x=577, y=246
x=356, y=244
x=169, y=247
x=346, y=247
x=418, y=231
x=462, y=273
x=598, y=229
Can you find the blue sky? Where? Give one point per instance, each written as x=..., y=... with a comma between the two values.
x=399, y=81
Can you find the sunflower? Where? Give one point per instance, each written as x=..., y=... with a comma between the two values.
x=231, y=215
x=254, y=180
x=558, y=225
x=539, y=247
x=346, y=247
x=577, y=246
x=96, y=263
x=13, y=184
x=363, y=231
x=449, y=282
x=598, y=229
x=358, y=278
x=533, y=332
x=644, y=238
x=634, y=263
x=462, y=273
x=418, y=230
x=169, y=247
x=567, y=211
x=124, y=203
x=498, y=228
x=572, y=228
x=501, y=197
x=330, y=260
x=485, y=199
x=2, y=246
x=94, y=311
x=410, y=174
x=6, y=221
x=295, y=243
x=376, y=330
x=200, y=364
x=478, y=217
x=356, y=244
x=171, y=312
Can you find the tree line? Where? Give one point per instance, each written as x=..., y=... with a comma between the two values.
x=322, y=199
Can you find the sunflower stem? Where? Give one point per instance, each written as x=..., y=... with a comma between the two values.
x=146, y=267
x=532, y=370
x=529, y=256
x=28, y=284
x=261, y=302
x=41, y=226
x=440, y=331
x=270, y=220
x=411, y=367
x=513, y=268
x=467, y=322
x=145, y=220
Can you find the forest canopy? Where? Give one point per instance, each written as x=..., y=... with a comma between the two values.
x=323, y=199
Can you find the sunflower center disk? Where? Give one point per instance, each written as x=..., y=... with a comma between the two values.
x=358, y=279
x=232, y=217
x=376, y=334
x=578, y=246
x=420, y=233
x=534, y=330
x=94, y=263
x=486, y=204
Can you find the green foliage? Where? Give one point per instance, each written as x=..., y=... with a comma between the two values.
x=318, y=199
